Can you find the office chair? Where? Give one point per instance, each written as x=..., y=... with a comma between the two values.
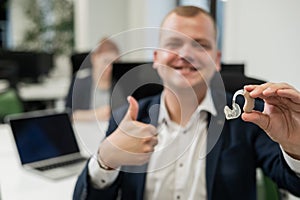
x=77, y=60
x=234, y=77
x=10, y=102
x=9, y=99
x=266, y=188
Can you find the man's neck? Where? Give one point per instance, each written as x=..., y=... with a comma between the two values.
x=182, y=104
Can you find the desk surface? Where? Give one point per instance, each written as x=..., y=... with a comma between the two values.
x=19, y=184
x=50, y=89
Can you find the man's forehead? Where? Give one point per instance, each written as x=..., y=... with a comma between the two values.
x=200, y=17
x=168, y=35
x=190, y=25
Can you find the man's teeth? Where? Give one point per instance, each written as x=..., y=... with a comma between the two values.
x=186, y=68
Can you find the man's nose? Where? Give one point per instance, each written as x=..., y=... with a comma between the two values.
x=186, y=53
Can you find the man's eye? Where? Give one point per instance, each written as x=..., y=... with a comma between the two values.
x=173, y=44
x=205, y=46
x=201, y=46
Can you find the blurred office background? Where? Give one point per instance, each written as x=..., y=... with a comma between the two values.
x=38, y=38
x=263, y=35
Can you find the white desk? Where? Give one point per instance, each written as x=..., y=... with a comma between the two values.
x=51, y=88
x=52, y=91
x=19, y=184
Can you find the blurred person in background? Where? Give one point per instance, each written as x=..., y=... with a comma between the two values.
x=89, y=94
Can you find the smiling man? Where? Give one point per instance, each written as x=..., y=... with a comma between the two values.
x=178, y=152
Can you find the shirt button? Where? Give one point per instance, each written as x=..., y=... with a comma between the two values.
x=103, y=181
x=185, y=131
x=178, y=197
x=180, y=165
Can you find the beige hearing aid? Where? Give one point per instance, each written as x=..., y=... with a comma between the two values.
x=249, y=102
x=235, y=112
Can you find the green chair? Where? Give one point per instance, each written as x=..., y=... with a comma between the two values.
x=266, y=188
x=10, y=103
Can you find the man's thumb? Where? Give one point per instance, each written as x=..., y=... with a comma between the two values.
x=257, y=118
x=133, y=108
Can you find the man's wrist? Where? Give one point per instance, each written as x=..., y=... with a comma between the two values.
x=294, y=164
x=287, y=149
x=102, y=164
x=100, y=178
x=294, y=156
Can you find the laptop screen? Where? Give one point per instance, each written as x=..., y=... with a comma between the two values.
x=43, y=137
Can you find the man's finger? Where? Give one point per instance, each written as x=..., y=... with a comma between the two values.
x=133, y=109
x=257, y=118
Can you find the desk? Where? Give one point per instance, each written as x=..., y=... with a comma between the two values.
x=52, y=90
x=19, y=184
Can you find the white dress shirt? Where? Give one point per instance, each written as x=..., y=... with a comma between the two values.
x=179, y=151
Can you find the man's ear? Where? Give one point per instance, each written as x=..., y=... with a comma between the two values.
x=154, y=59
x=93, y=57
x=218, y=61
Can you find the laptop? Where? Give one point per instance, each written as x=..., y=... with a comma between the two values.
x=46, y=143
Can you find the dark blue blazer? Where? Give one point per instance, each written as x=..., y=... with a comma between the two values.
x=230, y=165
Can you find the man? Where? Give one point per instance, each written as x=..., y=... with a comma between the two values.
x=175, y=150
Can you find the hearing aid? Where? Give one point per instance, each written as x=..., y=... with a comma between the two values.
x=249, y=102
x=235, y=112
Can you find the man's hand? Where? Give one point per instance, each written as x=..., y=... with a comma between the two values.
x=281, y=116
x=131, y=143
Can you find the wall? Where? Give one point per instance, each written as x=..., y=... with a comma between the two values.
x=264, y=35
x=95, y=19
x=146, y=14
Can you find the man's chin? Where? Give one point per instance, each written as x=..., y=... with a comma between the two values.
x=186, y=86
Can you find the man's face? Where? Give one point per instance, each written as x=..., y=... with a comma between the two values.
x=188, y=56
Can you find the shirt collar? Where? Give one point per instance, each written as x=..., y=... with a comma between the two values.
x=206, y=105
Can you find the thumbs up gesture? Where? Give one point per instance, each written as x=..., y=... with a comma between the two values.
x=131, y=143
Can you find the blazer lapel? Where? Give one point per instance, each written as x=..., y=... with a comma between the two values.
x=150, y=117
x=212, y=162
x=214, y=139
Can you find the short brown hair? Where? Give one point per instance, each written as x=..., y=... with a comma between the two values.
x=190, y=11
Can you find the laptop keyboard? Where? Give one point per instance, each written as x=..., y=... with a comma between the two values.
x=62, y=164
